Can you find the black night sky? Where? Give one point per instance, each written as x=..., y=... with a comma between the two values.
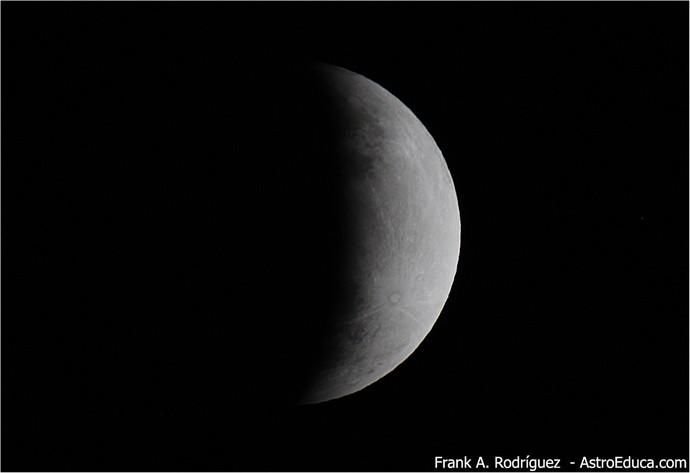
x=164, y=251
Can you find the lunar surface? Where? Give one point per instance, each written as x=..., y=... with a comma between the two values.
x=405, y=241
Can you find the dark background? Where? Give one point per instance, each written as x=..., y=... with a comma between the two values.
x=166, y=246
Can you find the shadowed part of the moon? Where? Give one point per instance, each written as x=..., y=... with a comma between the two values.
x=401, y=235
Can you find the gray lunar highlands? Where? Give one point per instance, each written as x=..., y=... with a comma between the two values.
x=407, y=236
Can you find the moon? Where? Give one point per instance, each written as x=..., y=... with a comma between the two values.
x=404, y=238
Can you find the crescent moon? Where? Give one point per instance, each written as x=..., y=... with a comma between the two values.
x=405, y=238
